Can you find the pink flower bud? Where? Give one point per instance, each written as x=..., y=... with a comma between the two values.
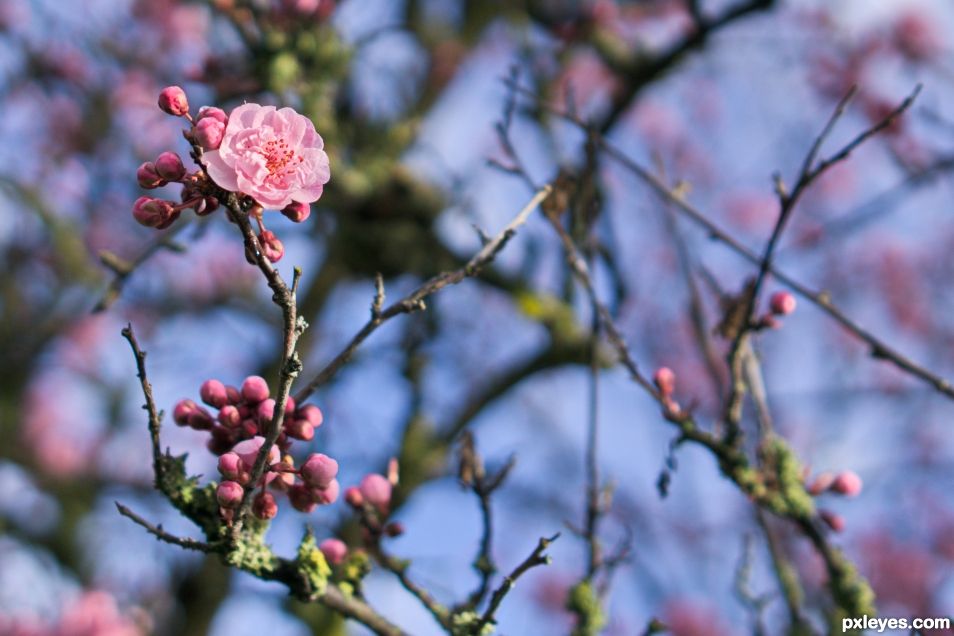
x=264, y=505
x=173, y=100
x=311, y=413
x=147, y=176
x=266, y=410
x=209, y=133
x=155, y=213
x=394, y=529
x=782, y=303
x=847, y=483
x=272, y=248
x=299, y=429
x=229, y=416
x=665, y=380
x=393, y=471
x=376, y=490
x=835, y=522
x=229, y=494
x=213, y=393
x=255, y=389
x=182, y=411
x=334, y=550
x=354, y=497
x=319, y=470
x=232, y=467
x=296, y=211
x=328, y=494
x=301, y=499
x=169, y=166
x=211, y=112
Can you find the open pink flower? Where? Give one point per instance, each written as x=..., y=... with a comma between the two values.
x=273, y=155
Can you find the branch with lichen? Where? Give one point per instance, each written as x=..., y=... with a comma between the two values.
x=224, y=512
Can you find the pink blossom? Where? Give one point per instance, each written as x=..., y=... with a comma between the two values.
x=275, y=156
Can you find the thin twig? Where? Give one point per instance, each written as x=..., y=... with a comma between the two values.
x=155, y=416
x=292, y=327
x=399, y=569
x=537, y=557
x=162, y=535
x=821, y=299
x=415, y=300
x=122, y=269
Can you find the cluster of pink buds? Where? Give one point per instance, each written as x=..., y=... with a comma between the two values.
x=242, y=413
x=665, y=380
x=237, y=419
x=846, y=483
x=313, y=484
x=169, y=168
x=272, y=170
x=372, y=501
x=782, y=303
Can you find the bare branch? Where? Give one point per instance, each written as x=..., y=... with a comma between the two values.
x=162, y=535
x=415, y=300
x=537, y=557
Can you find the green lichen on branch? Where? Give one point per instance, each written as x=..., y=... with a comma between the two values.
x=468, y=623
x=786, y=494
x=585, y=604
x=250, y=553
x=312, y=565
x=197, y=503
x=852, y=594
x=776, y=484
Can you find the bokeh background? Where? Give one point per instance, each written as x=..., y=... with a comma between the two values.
x=407, y=96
